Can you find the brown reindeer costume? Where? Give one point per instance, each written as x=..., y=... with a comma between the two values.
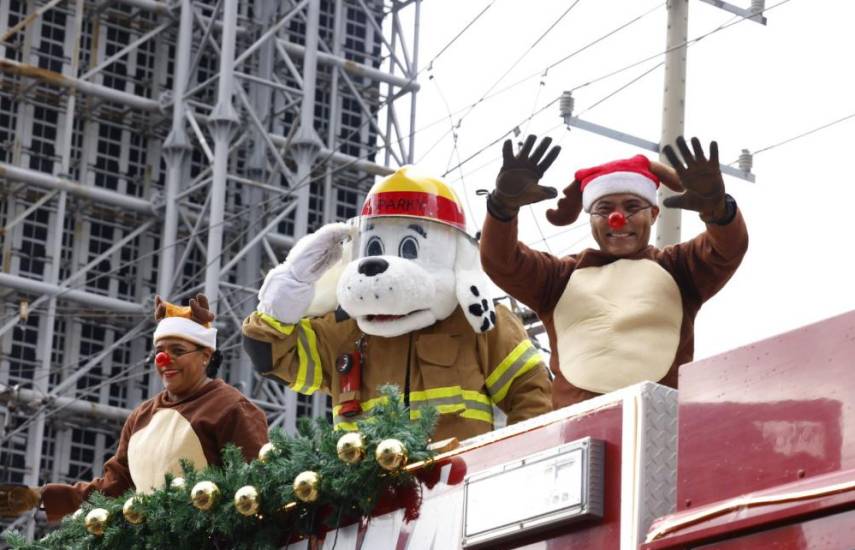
x=614, y=321
x=160, y=432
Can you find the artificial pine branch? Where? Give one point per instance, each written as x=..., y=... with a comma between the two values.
x=346, y=491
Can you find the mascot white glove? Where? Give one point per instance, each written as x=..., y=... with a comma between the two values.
x=289, y=288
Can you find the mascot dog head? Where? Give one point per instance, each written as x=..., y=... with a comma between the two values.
x=413, y=262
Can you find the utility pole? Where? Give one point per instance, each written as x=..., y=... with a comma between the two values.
x=673, y=110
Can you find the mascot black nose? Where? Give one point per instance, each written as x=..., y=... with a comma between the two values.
x=372, y=266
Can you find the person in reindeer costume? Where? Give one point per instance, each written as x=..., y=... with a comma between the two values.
x=418, y=315
x=625, y=312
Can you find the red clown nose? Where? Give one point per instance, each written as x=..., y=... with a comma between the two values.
x=162, y=359
x=617, y=220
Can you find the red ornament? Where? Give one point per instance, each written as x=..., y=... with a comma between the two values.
x=617, y=220
x=162, y=359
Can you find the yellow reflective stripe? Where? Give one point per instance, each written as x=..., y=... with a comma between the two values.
x=522, y=359
x=471, y=404
x=453, y=399
x=278, y=326
x=507, y=362
x=366, y=405
x=478, y=397
x=474, y=414
x=346, y=426
x=318, y=374
x=309, y=373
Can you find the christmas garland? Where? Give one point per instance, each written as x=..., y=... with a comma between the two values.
x=299, y=486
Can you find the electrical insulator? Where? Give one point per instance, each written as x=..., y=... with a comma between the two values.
x=757, y=6
x=565, y=105
x=746, y=161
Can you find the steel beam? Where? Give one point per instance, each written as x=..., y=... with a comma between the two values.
x=96, y=90
x=223, y=121
x=351, y=67
x=32, y=286
x=176, y=151
x=47, y=181
x=69, y=405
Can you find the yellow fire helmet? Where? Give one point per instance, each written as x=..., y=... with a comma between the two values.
x=408, y=194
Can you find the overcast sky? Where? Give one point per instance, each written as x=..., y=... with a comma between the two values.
x=749, y=86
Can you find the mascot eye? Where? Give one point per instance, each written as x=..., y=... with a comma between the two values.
x=409, y=248
x=374, y=247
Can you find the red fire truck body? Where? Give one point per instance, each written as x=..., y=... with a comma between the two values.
x=756, y=450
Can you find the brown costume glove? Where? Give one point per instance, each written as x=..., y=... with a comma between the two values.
x=702, y=180
x=16, y=499
x=516, y=184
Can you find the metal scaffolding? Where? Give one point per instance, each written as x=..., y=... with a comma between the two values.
x=173, y=148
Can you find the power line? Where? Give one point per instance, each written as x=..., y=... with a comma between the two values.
x=456, y=36
x=518, y=60
x=803, y=134
x=686, y=43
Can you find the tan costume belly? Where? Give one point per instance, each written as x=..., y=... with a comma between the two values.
x=617, y=325
x=159, y=447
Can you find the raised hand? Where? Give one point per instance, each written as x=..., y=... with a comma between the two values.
x=701, y=178
x=288, y=288
x=516, y=184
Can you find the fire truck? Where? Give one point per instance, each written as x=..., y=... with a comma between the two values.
x=756, y=450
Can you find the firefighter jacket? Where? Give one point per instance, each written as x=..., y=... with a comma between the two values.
x=446, y=365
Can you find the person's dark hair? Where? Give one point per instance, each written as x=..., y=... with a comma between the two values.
x=214, y=364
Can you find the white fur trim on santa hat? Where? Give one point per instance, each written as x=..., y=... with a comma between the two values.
x=618, y=182
x=179, y=327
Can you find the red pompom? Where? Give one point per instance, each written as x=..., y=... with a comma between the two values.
x=617, y=220
x=162, y=359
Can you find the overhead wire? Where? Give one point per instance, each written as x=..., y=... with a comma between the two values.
x=518, y=60
x=687, y=43
x=800, y=136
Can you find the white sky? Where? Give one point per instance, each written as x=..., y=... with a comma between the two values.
x=748, y=86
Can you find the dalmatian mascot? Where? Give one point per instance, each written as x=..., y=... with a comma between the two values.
x=398, y=297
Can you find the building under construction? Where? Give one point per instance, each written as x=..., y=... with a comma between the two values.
x=172, y=148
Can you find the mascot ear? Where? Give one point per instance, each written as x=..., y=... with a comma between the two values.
x=569, y=206
x=473, y=287
x=325, y=299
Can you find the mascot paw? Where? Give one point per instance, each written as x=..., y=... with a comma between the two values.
x=289, y=288
x=480, y=310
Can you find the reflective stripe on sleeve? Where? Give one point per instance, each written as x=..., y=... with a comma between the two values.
x=522, y=359
x=276, y=325
x=309, y=374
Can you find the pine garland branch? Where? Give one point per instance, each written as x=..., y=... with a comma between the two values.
x=346, y=492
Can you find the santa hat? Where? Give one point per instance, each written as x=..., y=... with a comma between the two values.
x=630, y=175
x=178, y=322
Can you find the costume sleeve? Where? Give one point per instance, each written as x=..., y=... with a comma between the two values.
x=59, y=499
x=705, y=263
x=245, y=425
x=535, y=278
x=301, y=354
x=517, y=380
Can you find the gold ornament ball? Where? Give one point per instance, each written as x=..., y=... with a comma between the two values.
x=306, y=486
x=96, y=521
x=351, y=448
x=391, y=455
x=205, y=495
x=76, y=515
x=132, y=514
x=266, y=451
x=247, y=501
x=178, y=483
